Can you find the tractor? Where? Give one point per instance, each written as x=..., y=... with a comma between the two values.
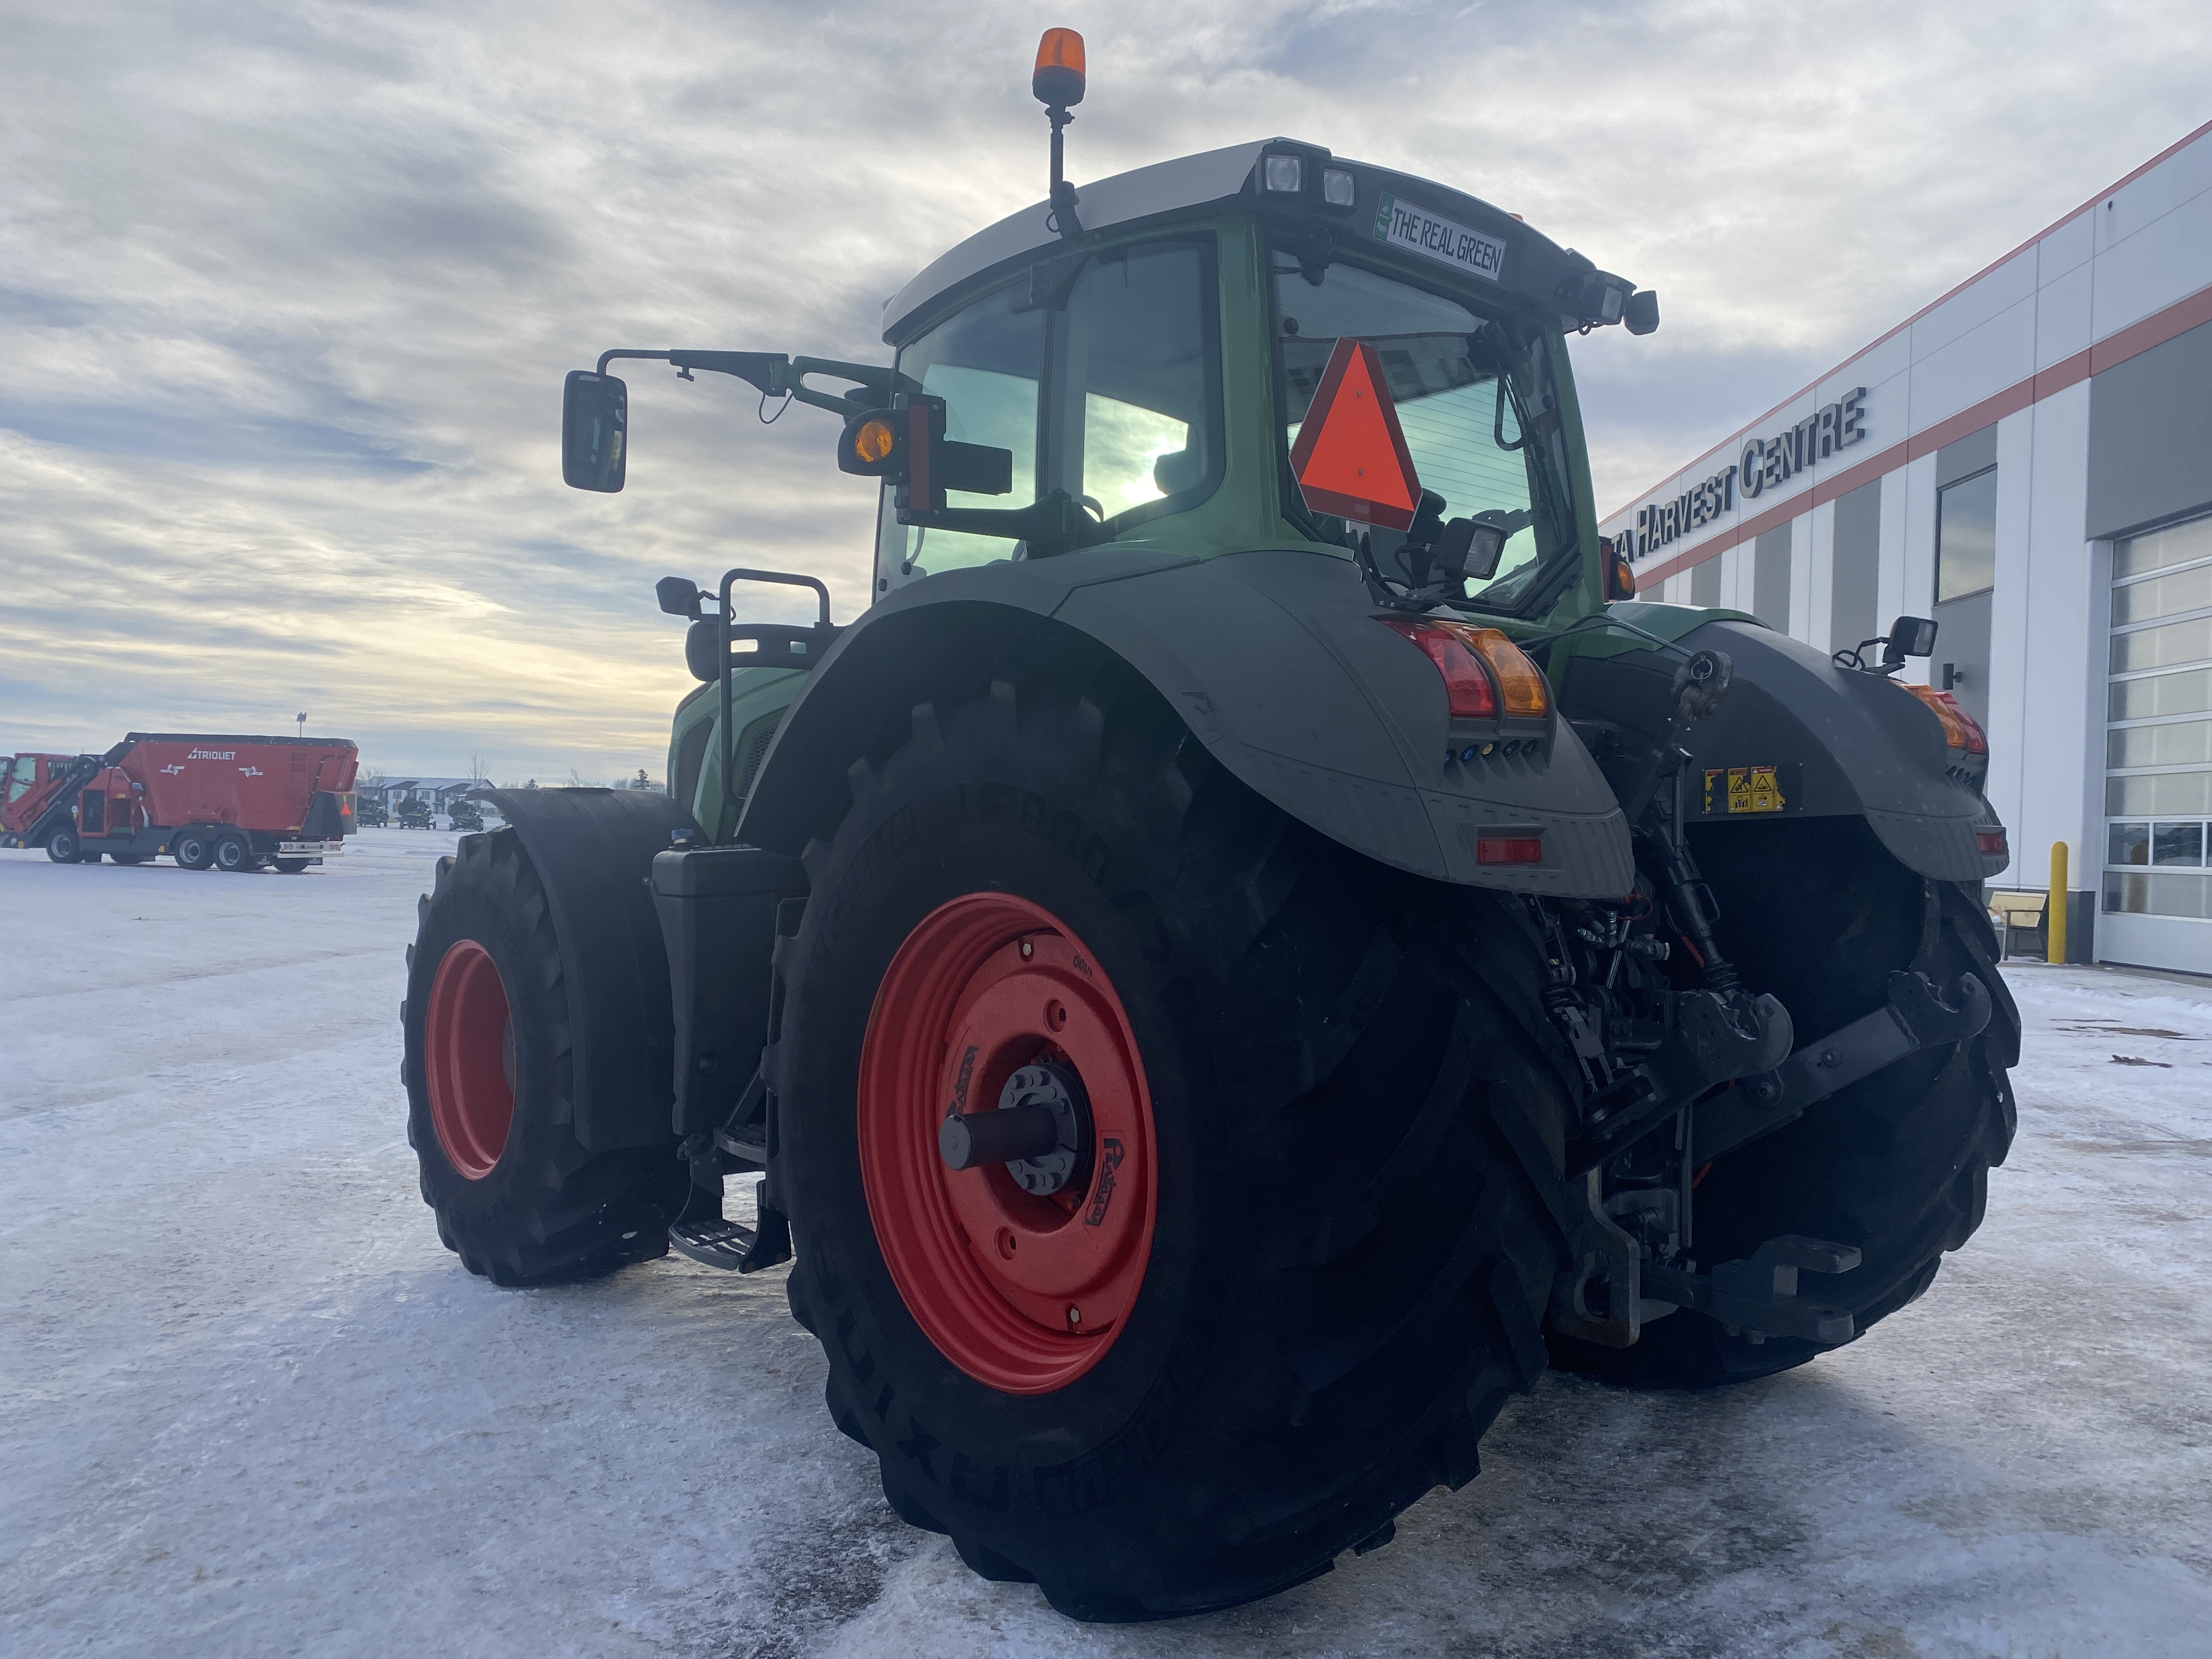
x=1255, y=942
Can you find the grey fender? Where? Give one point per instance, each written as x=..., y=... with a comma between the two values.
x=1849, y=743
x=1274, y=661
x=593, y=850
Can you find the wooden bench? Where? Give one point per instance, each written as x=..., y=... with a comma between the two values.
x=2021, y=913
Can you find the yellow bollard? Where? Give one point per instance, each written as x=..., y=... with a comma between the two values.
x=2054, y=922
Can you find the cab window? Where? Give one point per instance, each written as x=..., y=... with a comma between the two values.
x=1108, y=389
x=1477, y=408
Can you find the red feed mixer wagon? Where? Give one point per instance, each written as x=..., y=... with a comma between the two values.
x=209, y=802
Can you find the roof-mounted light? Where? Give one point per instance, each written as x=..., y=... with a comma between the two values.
x=1282, y=175
x=1338, y=187
x=1057, y=79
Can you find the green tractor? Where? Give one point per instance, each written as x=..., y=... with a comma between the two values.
x=1255, y=942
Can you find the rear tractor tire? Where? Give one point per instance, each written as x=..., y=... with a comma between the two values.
x=1819, y=912
x=1310, y=1215
x=489, y=1072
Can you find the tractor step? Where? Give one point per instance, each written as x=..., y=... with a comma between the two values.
x=715, y=1244
x=712, y=1242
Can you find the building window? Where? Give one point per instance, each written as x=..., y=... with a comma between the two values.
x=2158, y=742
x=1705, y=582
x=1967, y=537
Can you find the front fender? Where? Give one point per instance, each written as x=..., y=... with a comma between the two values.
x=1274, y=662
x=593, y=850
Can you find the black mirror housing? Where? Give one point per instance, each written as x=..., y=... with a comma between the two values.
x=594, y=431
x=678, y=595
x=1640, y=313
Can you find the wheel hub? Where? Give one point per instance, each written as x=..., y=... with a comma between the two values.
x=1018, y=1235
x=468, y=1058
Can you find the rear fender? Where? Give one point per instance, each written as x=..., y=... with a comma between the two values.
x=1273, y=660
x=1843, y=742
x=593, y=850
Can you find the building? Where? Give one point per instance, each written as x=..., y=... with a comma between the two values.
x=2029, y=461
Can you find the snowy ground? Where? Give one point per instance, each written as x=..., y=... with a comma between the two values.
x=248, y=1405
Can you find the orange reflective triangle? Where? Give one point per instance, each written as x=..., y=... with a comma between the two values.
x=1350, y=457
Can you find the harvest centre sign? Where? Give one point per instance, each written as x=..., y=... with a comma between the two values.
x=1765, y=464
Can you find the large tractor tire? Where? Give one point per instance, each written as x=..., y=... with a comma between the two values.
x=1818, y=913
x=488, y=1070
x=63, y=846
x=1314, y=1214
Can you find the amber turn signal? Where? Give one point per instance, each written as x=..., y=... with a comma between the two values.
x=874, y=440
x=1521, y=685
x=1057, y=81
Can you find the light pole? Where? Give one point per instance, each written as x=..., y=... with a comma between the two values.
x=302, y=718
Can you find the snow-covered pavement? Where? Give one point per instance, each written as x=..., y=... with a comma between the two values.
x=249, y=1405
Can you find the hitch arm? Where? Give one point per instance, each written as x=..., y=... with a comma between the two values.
x=1916, y=1016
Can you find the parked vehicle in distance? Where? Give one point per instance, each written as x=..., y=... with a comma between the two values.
x=217, y=802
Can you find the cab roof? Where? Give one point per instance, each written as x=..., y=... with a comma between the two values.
x=1535, y=266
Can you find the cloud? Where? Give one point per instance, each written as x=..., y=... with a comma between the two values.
x=287, y=291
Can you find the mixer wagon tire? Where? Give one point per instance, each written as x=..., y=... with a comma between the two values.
x=290, y=866
x=489, y=1072
x=64, y=848
x=1314, y=1213
x=192, y=849
x=234, y=857
x=128, y=858
x=1818, y=913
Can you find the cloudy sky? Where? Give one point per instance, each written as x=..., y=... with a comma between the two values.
x=287, y=291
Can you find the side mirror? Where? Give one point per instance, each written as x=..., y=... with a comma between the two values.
x=1640, y=313
x=594, y=431
x=679, y=596
x=1908, y=637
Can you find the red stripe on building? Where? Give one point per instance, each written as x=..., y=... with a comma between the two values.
x=2132, y=341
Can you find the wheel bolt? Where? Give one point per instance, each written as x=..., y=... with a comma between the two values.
x=1028, y=949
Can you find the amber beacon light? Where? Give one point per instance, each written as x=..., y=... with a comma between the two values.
x=1057, y=81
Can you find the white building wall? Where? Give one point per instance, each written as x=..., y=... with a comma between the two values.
x=1819, y=580
x=1801, y=574
x=2142, y=247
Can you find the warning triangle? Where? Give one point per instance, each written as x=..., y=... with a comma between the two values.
x=1350, y=457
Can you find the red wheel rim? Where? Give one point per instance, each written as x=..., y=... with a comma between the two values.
x=1024, y=1293
x=464, y=1059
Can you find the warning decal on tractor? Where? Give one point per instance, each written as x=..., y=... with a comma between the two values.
x=1350, y=457
x=1733, y=790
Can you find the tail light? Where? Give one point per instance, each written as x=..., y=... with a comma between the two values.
x=1519, y=682
x=1990, y=844
x=1467, y=684
x=1960, y=729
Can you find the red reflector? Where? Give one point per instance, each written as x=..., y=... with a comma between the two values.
x=1509, y=849
x=1466, y=682
x=1991, y=843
